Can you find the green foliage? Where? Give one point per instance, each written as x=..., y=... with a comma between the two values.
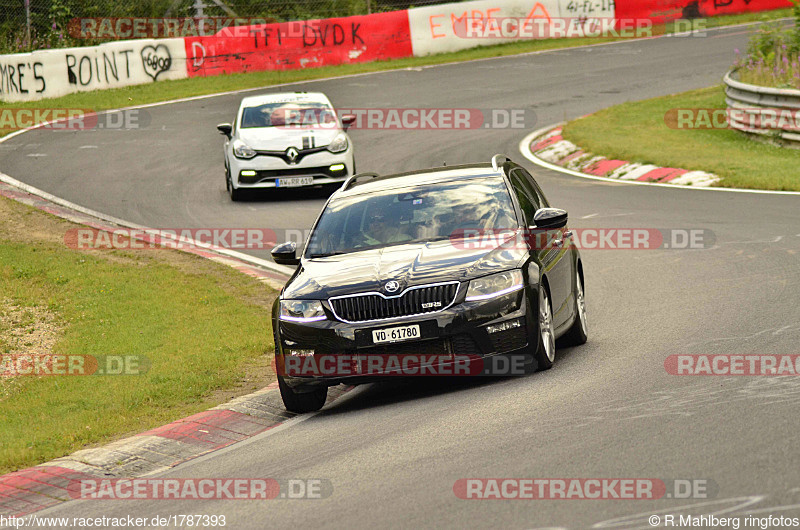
x=773, y=54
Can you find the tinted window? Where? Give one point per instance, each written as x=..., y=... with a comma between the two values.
x=412, y=214
x=526, y=195
x=535, y=185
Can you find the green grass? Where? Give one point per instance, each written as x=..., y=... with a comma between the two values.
x=202, y=328
x=168, y=90
x=637, y=132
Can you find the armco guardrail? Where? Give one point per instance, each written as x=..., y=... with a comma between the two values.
x=763, y=111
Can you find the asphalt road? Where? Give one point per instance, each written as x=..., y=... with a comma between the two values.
x=392, y=452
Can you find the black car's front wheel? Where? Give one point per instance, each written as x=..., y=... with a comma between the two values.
x=546, y=351
x=302, y=402
x=579, y=331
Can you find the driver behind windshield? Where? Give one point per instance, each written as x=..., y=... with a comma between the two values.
x=381, y=229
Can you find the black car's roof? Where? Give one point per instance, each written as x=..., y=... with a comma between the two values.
x=423, y=176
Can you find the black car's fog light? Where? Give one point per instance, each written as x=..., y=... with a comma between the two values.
x=503, y=326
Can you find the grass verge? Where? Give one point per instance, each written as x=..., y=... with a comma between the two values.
x=167, y=90
x=637, y=132
x=203, y=329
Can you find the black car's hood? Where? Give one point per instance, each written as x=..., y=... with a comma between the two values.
x=409, y=264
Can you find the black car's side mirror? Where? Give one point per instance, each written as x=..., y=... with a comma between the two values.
x=225, y=128
x=286, y=254
x=348, y=120
x=550, y=218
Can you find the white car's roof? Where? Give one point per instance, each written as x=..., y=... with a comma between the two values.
x=285, y=97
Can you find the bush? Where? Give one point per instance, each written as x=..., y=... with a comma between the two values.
x=773, y=55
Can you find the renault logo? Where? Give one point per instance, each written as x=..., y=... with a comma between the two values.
x=292, y=154
x=392, y=286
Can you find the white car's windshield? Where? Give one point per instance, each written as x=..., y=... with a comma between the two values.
x=304, y=114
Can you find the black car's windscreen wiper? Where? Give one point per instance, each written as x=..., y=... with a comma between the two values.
x=326, y=254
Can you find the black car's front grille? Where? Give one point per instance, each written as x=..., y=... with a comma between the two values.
x=414, y=301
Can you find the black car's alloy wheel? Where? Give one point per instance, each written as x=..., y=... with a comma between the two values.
x=579, y=331
x=546, y=352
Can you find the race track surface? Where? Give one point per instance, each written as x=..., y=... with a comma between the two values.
x=392, y=452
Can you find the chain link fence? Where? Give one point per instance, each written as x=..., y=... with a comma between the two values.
x=28, y=25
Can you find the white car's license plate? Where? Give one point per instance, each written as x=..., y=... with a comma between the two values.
x=293, y=182
x=395, y=334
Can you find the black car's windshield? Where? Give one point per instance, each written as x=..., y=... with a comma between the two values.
x=304, y=114
x=412, y=214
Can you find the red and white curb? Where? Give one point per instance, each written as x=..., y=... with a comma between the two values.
x=549, y=146
x=39, y=487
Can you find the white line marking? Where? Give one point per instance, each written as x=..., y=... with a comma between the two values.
x=36, y=155
x=524, y=149
x=88, y=147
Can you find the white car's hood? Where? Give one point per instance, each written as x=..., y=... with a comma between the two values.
x=281, y=138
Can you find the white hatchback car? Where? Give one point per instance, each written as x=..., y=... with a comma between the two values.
x=286, y=140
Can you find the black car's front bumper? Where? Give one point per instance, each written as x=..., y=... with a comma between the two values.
x=459, y=331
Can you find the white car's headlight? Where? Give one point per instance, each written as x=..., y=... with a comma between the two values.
x=338, y=144
x=494, y=285
x=242, y=150
x=302, y=311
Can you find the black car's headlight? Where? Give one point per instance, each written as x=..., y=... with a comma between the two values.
x=339, y=144
x=302, y=311
x=494, y=285
x=242, y=150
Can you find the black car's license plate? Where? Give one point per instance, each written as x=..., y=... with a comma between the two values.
x=396, y=332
